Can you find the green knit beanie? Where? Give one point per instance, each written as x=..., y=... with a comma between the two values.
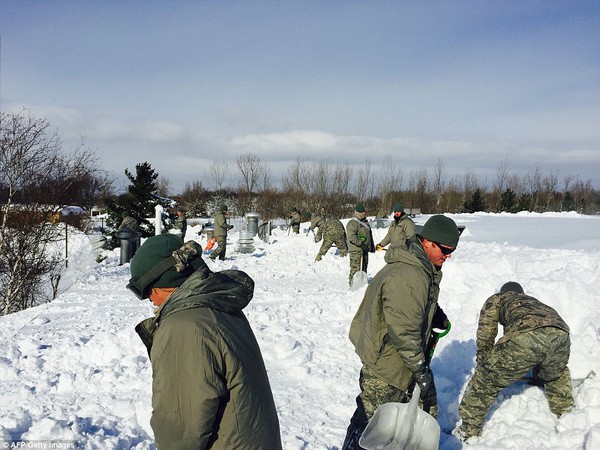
x=398, y=208
x=153, y=251
x=442, y=230
x=359, y=208
x=223, y=208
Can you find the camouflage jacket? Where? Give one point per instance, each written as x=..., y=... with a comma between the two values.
x=331, y=228
x=181, y=225
x=399, y=231
x=392, y=326
x=295, y=218
x=128, y=223
x=517, y=313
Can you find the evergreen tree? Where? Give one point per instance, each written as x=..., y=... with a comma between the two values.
x=508, y=201
x=139, y=201
x=476, y=203
x=568, y=203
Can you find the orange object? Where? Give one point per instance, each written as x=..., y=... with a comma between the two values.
x=211, y=243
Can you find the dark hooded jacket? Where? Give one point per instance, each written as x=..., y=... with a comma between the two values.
x=392, y=326
x=210, y=386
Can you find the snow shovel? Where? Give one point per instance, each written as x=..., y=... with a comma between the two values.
x=359, y=279
x=398, y=426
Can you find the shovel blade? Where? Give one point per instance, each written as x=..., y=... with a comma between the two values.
x=397, y=426
x=359, y=280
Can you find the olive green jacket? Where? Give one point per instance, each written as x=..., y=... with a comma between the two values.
x=392, y=326
x=517, y=313
x=221, y=225
x=359, y=235
x=210, y=388
x=399, y=232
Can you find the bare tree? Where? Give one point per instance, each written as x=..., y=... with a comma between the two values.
x=365, y=184
x=31, y=168
x=163, y=187
x=252, y=171
x=438, y=182
x=218, y=174
x=389, y=182
x=340, y=199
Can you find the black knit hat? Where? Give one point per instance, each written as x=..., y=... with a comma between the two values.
x=442, y=230
x=511, y=286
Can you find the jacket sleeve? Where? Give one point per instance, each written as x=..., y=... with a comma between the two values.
x=409, y=229
x=352, y=231
x=187, y=388
x=388, y=237
x=487, y=328
x=319, y=234
x=405, y=311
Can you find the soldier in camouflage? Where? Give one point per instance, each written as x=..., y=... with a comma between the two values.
x=392, y=329
x=295, y=220
x=535, y=338
x=181, y=222
x=332, y=232
x=360, y=241
x=221, y=230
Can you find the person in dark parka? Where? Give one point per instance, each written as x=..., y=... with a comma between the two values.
x=210, y=388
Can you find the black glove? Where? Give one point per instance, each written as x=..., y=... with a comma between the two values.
x=424, y=379
x=230, y=227
x=440, y=319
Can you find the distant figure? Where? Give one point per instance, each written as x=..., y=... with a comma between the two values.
x=332, y=232
x=181, y=222
x=295, y=220
x=221, y=230
x=128, y=223
x=210, y=388
x=535, y=338
x=401, y=229
x=360, y=241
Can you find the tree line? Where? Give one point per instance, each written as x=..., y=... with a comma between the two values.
x=38, y=176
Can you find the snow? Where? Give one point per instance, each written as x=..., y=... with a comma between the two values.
x=74, y=369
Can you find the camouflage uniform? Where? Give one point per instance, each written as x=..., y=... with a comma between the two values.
x=221, y=229
x=401, y=230
x=295, y=221
x=360, y=243
x=181, y=225
x=128, y=223
x=535, y=338
x=332, y=232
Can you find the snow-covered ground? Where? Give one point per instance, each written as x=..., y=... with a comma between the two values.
x=75, y=370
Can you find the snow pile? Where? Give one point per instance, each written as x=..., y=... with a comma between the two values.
x=75, y=370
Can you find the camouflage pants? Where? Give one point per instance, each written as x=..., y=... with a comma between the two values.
x=544, y=350
x=296, y=228
x=221, y=248
x=374, y=392
x=355, y=263
x=328, y=242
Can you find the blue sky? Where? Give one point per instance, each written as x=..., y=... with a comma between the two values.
x=184, y=83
